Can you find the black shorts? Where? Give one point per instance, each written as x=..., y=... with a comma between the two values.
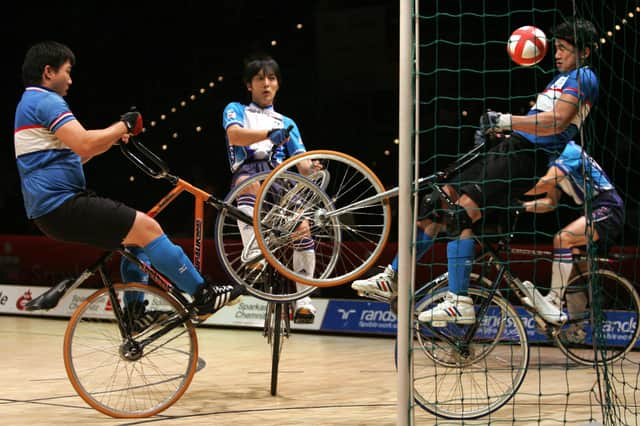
x=607, y=215
x=503, y=173
x=89, y=219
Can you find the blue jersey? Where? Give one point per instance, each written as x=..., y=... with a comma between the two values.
x=50, y=172
x=574, y=163
x=253, y=117
x=581, y=83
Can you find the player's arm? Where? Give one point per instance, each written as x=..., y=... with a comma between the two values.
x=89, y=143
x=239, y=136
x=548, y=122
x=548, y=184
x=542, y=124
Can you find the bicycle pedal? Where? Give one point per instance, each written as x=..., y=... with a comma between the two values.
x=438, y=324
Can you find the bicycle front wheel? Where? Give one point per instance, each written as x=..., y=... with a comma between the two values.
x=276, y=329
x=346, y=217
x=604, y=329
x=231, y=249
x=457, y=376
x=122, y=374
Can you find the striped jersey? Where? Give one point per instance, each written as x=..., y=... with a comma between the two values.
x=253, y=116
x=581, y=83
x=50, y=172
x=575, y=164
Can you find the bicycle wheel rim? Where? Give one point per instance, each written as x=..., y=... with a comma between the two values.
x=618, y=305
x=455, y=391
x=95, y=364
x=361, y=228
x=229, y=247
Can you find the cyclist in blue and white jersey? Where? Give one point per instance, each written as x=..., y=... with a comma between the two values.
x=51, y=146
x=258, y=139
x=510, y=168
x=581, y=177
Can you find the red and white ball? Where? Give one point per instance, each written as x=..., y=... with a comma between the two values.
x=527, y=45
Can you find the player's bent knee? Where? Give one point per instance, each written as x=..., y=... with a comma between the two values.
x=457, y=219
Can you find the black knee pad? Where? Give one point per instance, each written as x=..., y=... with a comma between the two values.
x=430, y=207
x=457, y=219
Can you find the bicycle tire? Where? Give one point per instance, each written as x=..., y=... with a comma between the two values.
x=229, y=247
x=104, y=368
x=276, y=345
x=618, y=301
x=450, y=387
x=358, y=229
x=424, y=302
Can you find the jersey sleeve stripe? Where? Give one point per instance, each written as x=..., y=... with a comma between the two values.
x=59, y=119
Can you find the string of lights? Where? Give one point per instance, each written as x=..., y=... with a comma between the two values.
x=179, y=106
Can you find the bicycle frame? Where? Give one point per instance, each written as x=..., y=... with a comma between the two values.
x=156, y=168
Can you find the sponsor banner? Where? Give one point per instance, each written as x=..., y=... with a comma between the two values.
x=250, y=312
x=359, y=316
x=344, y=316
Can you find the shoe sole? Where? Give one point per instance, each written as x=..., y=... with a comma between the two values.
x=304, y=319
x=363, y=293
x=444, y=323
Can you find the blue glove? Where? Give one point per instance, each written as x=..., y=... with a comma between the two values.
x=495, y=121
x=478, y=137
x=279, y=136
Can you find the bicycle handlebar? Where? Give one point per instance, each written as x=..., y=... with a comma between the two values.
x=158, y=169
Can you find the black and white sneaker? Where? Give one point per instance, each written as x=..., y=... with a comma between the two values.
x=140, y=319
x=210, y=298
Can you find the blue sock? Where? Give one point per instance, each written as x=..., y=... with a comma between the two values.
x=423, y=243
x=460, y=255
x=130, y=273
x=169, y=259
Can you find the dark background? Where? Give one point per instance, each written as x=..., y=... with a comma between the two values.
x=340, y=81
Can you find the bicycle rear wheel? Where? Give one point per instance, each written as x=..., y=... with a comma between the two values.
x=230, y=248
x=136, y=376
x=612, y=332
x=349, y=221
x=459, y=381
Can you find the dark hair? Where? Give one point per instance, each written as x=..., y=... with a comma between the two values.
x=42, y=54
x=579, y=32
x=256, y=64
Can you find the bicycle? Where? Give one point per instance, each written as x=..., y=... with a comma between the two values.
x=469, y=382
x=122, y=371
x=459, y=355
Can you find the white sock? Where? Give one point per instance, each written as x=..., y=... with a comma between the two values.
x=561, y=269
x=304, y=263
x=245, y=205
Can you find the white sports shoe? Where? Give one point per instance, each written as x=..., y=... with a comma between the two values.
x=549, y=307
x=380, y=287
x=453, y=309
x=305, y=312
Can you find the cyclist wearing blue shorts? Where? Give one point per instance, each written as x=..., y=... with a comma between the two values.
x=567, y=174
x=258, y=139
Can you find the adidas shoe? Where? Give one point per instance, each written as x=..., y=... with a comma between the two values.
x=140, y=319
x=453, y=309
x=548, y=307
x=210, y=298
x=380, y=287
